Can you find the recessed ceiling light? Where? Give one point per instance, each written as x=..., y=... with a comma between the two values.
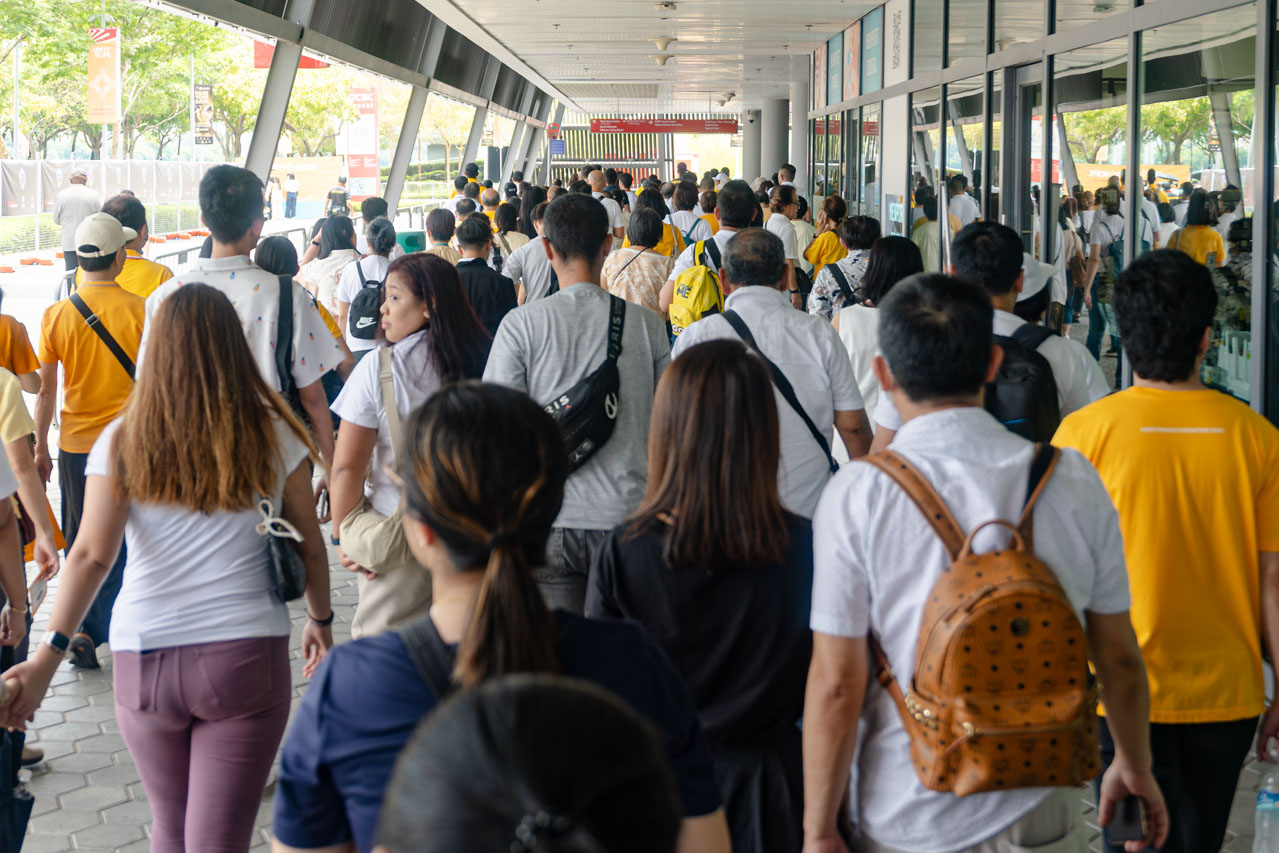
x=665, y=7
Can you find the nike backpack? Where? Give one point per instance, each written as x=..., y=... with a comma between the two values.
x=366, y=308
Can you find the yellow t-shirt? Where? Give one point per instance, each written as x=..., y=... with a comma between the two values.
x=713, y=221
x=15, y=420
x=671, y=244
x=95, y=384
x=1198, y=241
x=16, y=353
x=826, y=249
x=1194, y=476
x=139, y=276
x=329, y=322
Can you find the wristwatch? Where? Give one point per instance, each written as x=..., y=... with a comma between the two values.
x=57, y=641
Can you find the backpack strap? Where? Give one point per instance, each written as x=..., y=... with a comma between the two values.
x=842, y=281
x=359, y=270
x=783, y=385
x=712, y=249
x=1032, y=335
x=95, y=323
x=284, y=339
x=432, y=658
x=919, y=490
x=1041, y=469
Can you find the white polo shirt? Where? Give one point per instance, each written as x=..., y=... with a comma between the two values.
x=965, y=208
x=808, y=351
x=685, y=259
x=780, y=225
x=614, y=209
x=876, y=559
x=1077, y=374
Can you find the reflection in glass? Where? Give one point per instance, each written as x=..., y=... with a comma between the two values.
x=1270, y=252
x=927, y=38
x=1072, y=13
x=871, y=151
x=820, y=190
x=967, y=36
x=965, y=114
x=852, y=138
x=989, y=184
x=1017, y=22
x=834, y=150
x=925, y=169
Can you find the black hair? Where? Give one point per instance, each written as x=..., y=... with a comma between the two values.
x=1187, y=188
x=373, y=207
x=736, y=204
x=539, y=212
x=754, y=257
x=989, y=254
x=532, y=762
x=1198, y=211
x=460, y=182
x=472, y=191
x=440, y=225
x=318, y=227
x=277, y=255
x=622, y=199
x=338, y=233
x=651, y=199
x=786, y=172
x=610, y=177
x=465, y=207
x=645, y=228
x=1164, y=300
x=685, y=196
x=575, y=225
x=625, y=179
x=935, y=333
x=930, y=208
x=922, y=192
x=97, y=264
x=488, y=184
x=892, y=259
x=206, y=248
x=802, y=211
x=472, y=233
x=471, y=170
x=580, y=187
x=342, y=180
x=859, y=232
x=230, y=202
x=507, y=217
x=1166, y=213
x=381, y=235
x=127, y=210
x=955, y=184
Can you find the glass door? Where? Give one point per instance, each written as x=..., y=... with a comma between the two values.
x=1022, y=195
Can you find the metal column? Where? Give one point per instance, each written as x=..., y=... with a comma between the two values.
x=275, y=96
x=800, y=96
x=1069, y=174
x=533, y=143
x=774, y=118
x=412, y=119
x=481, y=113
x=518, y=137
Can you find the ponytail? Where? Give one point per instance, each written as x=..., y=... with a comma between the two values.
x=511, y=630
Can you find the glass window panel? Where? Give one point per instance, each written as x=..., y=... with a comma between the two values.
x=989, y=184
x=871, y=137
x=965, y=123
x=1272, y=342
x=1073, y=13
x=852, y=137
x=835, y=153
x=927, y=37
x=925, y=139
x=819, y=158
x=441, y=140
x=1197, y=108
x=966, y=38
x=1017, y=22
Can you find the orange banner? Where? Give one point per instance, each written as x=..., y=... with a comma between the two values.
x=104, y=75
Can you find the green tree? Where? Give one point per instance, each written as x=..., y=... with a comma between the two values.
x=1090, y=131
x=448, y=122
x=319, y=103
x=1171, y=124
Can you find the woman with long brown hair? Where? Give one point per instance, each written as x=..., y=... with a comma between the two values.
x=483, y=481
x=193, y=474
x=721, y=575
x=827, y=249
x=434, y=338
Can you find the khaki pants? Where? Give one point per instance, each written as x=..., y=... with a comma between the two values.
x=391, y=599
x=1055, y=826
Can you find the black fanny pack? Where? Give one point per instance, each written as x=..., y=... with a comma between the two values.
x=587, y=412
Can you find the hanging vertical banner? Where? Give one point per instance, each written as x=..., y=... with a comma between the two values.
x=873, y=51
x=203, y=97
x=104, y=76
x=835, y=69
x=361, y=146
x=819, y=78
x=852, y=61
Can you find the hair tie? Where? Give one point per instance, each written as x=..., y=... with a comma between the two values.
x=499, y=540
x=534, y=827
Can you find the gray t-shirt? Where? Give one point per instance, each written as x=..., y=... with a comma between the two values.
x=530, y=265
x=545, y=347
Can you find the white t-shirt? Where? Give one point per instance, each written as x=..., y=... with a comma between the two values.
x=875, y=561
x=685, y=259
x=1077, y=374
x=374, y=267
x=360, y=403
x=965, y=208
x=614, y=211
x=859, y=333
x=807, y=350
x=780, y=225
x=195, y=577
x=291, y=185
x=1150, y=213
x=362, y=246
x=255, y=295
x=1166, y=230
x=321, y=276
x=690, y=223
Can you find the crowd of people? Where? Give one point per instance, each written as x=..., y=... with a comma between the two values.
x=632, y=484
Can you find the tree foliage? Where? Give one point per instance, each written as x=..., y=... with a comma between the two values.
x=447, y=122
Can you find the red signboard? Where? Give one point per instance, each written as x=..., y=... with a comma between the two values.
x=262, y=54
x=663, y=125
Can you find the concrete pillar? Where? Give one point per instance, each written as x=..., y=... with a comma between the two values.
x=1069, y=174
x=774, y=142
x=412, y=120
x=1224, y=123
x=487, y=85
x=750, y=145
x=275, y=95
x=519, y=136
x=800, y=95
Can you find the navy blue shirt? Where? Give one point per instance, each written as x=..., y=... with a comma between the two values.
x=367, y=699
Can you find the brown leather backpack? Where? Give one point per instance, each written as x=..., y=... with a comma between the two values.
x=1002, y=697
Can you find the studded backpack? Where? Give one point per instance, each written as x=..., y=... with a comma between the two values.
x=1001, y=697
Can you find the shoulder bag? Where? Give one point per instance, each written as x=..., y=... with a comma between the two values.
x=288, y=572
x=587, y=412
x=375, y=541
x=431, y=656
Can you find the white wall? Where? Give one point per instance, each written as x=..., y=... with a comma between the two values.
x=895, y=166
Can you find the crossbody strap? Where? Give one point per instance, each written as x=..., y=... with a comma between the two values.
x=387, y=381
x=631, y=261
x=842, y=281
x=616, y=321
x=94, y=322
x=284, y=338
x=783, y=385
x=431, y=657
x=506, y=247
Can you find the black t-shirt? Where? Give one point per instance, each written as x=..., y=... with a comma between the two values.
x=338, y=199
x=491, y=294
x=740, y=638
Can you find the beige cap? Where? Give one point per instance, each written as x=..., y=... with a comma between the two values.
x=101, y=235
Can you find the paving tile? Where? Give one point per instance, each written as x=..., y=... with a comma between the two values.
x=95, y=713
x=136, y=847
x=101, y=743
x=96, y=797
x=64, y=821
x=55, y=784
x=132, y=813
x=71, y=731
x=107, y=837
x=42, y=843
x=117, y=775
x=76, y=762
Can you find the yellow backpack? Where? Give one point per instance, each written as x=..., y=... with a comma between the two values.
x=697, y=290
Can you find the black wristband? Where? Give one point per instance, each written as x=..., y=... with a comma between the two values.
x=333, y=540
x=323, y=623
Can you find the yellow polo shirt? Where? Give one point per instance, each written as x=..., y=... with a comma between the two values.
x=139, y=276
x=16, y=353
x=1194, y=476
x=826, y=249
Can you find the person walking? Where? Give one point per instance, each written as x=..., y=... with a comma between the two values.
x=826, y=248
x=840, y=282
x=94, y=335
x=359, y=274
x=199, y=639
x=483, y=478
x=727, y=589
x=140, y=276
x=71, y=206
x=337, y=251
x=291, y=188
x=491, y=294
x=637, y=273
x=432, y=338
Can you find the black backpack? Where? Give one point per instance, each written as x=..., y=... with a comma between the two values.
x=1023, y=396
x=366, y=307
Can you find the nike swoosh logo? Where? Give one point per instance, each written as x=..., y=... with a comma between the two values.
x=364, y=322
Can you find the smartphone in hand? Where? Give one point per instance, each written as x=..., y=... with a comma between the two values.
x=1127, y=824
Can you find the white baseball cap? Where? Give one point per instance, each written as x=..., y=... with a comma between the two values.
x=101, y=235
x=721, y=178
x=1037, y=276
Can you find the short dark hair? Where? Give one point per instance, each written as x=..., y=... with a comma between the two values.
x=337, y=234
x=610, y=177
x=575, y=225
x=1163, y=302
x=230, y=202
x=460, y=182
x=1166, y=213
x=98, y=264
x=471, y=170
x=736, y=204
x=624, y=180
x=859, y=232
x=580, y=187
x=929, y=207
x=892, y=259
x=645, y=228
x=786, y=172
x=988, y=254
x=754, y=257
x=474, y=231
x=507, y=217
x=517, y=175
x=127, y=210
x=685, y=196
x=472, y=191
x=935, y=332
x=539, y=212
x=440, y=225
x=342, y=179
x=381, y=236
x=373, y=207
x=465, y=207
